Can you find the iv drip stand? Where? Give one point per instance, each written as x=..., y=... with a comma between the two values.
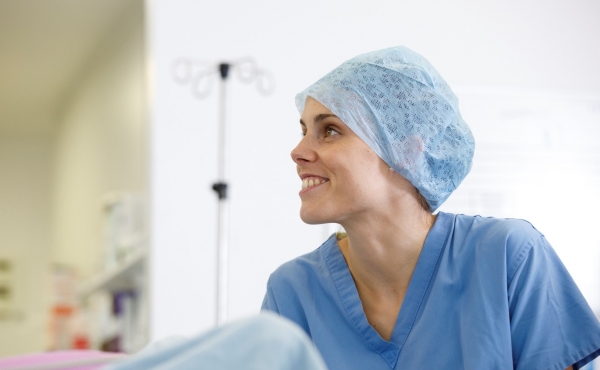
x=220, y=188
x=248, y=71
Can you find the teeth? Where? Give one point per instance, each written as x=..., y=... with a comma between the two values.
x=307, y=183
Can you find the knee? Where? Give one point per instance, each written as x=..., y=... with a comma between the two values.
x=280, y=340
x=273, y=327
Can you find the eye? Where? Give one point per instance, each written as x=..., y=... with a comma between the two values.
x=330, y=131
x=302, y=130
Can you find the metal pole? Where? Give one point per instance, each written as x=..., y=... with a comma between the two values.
x=201, y=83
x=223, y=210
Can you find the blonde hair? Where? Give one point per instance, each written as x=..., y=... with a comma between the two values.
x=340, y=235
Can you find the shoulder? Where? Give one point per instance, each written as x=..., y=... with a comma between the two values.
x=493, y=227
x=508, y=237
x=509, y=231
x=300, y=270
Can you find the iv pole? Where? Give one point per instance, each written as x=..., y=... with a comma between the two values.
x=223, y=211
x=247, y=72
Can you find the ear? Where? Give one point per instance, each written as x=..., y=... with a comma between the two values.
x=412, y=152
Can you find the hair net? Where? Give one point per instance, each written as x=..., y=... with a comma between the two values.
x=400, y=106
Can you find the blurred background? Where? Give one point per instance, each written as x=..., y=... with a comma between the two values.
x=107, y=216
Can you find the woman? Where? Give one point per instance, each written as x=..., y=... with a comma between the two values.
x=383, y=147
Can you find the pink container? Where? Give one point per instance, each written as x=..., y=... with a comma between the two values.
x=61, y=360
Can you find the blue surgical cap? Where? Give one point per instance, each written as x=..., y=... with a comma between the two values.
x=400, y=106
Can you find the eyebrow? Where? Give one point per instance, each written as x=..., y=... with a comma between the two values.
x=319, y=118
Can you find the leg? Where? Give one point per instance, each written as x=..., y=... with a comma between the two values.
x=266, y=341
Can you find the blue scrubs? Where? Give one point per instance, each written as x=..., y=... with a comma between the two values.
x=486, y=293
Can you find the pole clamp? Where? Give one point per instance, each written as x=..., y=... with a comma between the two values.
x=221, y=189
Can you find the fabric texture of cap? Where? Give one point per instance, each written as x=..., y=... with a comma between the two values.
x=400, y=106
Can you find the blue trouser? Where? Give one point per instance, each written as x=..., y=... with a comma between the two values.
x=266, y=341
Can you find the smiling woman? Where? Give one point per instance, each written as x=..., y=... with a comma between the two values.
x=383, y=146
x=406, y=288
x=352, y=178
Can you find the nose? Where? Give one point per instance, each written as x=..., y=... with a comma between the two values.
x=304, y=152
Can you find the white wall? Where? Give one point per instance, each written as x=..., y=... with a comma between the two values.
x=25, y=190
x=54, y=173
x=100, y=142
x=537, y=158
x=528, y=44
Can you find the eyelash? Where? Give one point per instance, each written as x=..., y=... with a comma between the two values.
x=327, y=129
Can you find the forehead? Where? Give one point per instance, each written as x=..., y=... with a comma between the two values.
x=313, y=108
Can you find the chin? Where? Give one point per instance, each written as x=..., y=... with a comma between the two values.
x=313, y=218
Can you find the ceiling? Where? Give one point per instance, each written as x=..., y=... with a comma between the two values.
x=43, y=46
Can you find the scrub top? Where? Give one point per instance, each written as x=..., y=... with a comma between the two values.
x=486, y=293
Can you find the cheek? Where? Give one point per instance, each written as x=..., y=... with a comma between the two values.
x=355, y=168
x=370, y=177
x=356, y=174
x=362, y=164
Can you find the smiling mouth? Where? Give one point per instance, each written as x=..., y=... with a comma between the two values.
x=308, y=182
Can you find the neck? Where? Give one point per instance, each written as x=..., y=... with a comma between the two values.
x=382, y=249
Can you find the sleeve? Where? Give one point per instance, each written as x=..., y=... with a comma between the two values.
x=552, y=326
x=269, y=302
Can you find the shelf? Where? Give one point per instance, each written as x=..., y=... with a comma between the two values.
x=123, y=277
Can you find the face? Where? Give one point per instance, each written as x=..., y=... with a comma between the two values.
x=342, y=177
